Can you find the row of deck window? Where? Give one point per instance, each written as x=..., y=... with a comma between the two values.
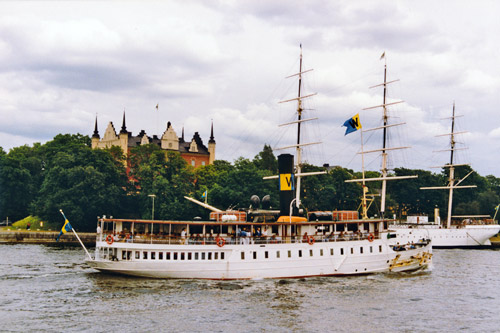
x=220, y=255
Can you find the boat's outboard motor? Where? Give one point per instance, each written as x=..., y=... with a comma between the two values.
x=287, y=183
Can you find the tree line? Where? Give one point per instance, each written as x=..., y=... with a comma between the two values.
x=66, y=173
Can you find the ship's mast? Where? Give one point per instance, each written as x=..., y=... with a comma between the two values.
x=451, y=177
x=384, y=169
x=298, y=146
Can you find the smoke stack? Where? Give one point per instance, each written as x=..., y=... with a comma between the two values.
x=287, y=182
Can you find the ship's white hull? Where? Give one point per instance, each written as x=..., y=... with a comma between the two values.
x=288, y=260
x=467, y=236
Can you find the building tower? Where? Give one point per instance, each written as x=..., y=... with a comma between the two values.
x=211, y=145
x=124, y=137
x=95, y=136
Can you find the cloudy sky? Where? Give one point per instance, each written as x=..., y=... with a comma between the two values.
x=63, y=63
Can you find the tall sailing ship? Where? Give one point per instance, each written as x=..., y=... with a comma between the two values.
x=458, y=231
x=231, y=245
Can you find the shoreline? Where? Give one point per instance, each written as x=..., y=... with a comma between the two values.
x=45, y=237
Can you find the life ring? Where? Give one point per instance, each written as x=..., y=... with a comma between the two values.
x=371, y=237
x=220, y=241
x=109, y=239
x=311, y=240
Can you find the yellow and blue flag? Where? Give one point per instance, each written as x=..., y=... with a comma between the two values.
x=65, y=228
x=353, y=124
x=204, y=195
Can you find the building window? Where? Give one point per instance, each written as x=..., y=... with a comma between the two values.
x=202, y=162
x=193, y=162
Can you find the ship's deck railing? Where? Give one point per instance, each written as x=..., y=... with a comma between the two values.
x=231, y=239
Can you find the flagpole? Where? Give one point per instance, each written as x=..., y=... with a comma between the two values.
x=74, y=232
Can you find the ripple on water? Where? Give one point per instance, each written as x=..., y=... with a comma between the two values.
x=51, y=289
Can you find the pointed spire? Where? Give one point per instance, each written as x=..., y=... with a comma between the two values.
x=124, y=127
x=182, y=137
x=96, y=131
x=212, y=134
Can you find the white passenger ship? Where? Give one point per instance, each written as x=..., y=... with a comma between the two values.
x=233, y=245
x=215, y=250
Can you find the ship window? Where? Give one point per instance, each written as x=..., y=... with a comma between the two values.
x=137, y=255
x=352, y=250
x=242, y=255
x=129, y=255
x=203, y=256
x=380, y=248
x=175, y=255
x=183, y=256
x=371, y=249
x=153, y=255
x=310, y=253
x=167, y=256
x=266, y=254
x=255, y=254
x=341, y=251
x=145, y=255
x=361, y=249
x=300, y=253
x=277, y=254
x=321, y=252
x=331, y=252
x=124, y=255
x=209, y=257
x=160, y=255
x=289, y=254
x=190, y=256
x=216, y=255
x=222, y=256
x=196, y=256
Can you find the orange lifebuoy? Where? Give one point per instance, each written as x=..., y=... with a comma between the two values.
x=311, y=240
x=109, y=239
x=220, y=241
x=371, y=237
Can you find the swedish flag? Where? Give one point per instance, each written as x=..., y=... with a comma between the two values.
x=65, y=228
x=353, y=124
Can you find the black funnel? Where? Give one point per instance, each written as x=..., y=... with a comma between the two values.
x=287, y=182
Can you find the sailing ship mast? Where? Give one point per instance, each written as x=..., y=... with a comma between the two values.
x=451, y=177
x=384, y=149
x=298, y=146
